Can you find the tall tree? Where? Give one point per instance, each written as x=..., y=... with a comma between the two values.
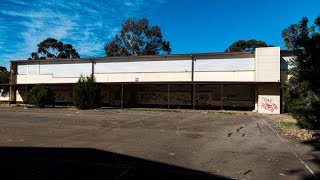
x=303, y=88
x=244, y=46
x=137, y=38
x=4, y=76
x=51, y=48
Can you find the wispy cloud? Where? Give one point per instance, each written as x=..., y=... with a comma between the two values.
x=88, y=25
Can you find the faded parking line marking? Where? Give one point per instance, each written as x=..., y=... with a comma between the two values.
x=295, y=154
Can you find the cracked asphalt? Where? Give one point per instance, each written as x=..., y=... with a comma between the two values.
x=123, y=144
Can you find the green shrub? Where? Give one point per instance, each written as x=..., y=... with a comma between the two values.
x=41, y=96
x=304, y=105
x=86, y=93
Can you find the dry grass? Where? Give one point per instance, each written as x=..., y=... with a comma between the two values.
x=289, y=128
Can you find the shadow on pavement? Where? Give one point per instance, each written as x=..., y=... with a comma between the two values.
x=316, y=160
x=85, y=163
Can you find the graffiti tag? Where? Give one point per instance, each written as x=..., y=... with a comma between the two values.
x=268, y=104
x=149, y=96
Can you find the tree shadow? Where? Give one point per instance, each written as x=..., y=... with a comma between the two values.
x=316, y=156
x=86, y=163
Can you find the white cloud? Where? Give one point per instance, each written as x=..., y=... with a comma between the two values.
x=88, y=25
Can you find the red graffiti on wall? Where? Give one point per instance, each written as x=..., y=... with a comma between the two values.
x=270, y=107
x=268, y=104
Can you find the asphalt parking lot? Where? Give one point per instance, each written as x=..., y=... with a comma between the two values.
x=126, y=144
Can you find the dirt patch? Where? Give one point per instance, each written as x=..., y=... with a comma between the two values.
x=282, y=118
x=301, y=134
x=289, y=128
x=3, y=105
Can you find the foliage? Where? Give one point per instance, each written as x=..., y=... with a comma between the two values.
x=51, y=48
x=40, y=96
x=137, y=38
x=86, y=93
x=4, y=77
x=3, y=68
x=302, y=91
x=246, y=46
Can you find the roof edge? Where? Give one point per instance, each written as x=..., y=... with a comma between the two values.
x=141, y=57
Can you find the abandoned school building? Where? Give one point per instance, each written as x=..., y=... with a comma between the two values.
x=240, y=80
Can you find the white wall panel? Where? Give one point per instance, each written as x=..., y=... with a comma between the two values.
x=66, y=70
x=36, y=79
x=268, y=64
x=143, y=66
x=22, y=69
x=241, y=76
x=33, y=69
x=143, y=77
x=236, y=64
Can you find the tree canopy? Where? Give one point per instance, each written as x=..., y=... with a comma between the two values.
x=303, y=88
x=4, y=75
x=245, y=46
x=2, y=68
x=51, y=48
x=137, y=38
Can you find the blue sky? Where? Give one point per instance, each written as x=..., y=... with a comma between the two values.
x=190, y=26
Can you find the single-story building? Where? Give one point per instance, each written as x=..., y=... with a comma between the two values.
x=237, y=80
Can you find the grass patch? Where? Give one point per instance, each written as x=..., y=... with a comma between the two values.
x=287, y=125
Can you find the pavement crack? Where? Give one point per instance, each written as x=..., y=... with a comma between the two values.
x=247, y=172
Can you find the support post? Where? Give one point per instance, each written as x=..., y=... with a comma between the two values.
x=193, y=85
x=193, y=95
x=168, y=96
x=121, y=102
x=192, y=70
x=222, y=97
x=10, y=95
x=12, y=82
x=92, y=68
x=26, y=95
